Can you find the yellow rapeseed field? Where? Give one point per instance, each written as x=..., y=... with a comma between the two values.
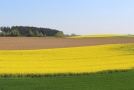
x=68, y=60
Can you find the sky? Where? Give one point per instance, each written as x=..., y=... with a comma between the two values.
x=81, y=17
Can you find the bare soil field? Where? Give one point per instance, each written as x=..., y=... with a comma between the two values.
x=28, y=43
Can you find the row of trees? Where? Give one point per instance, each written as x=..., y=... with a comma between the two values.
x=28, y=31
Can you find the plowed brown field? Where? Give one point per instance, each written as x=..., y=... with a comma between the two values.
x=24, y=43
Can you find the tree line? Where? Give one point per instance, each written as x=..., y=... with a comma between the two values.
x=27, y=31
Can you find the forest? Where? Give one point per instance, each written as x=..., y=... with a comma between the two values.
x=28, y=31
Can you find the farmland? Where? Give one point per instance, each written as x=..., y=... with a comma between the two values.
x=111, y=81
x=68, y=60
x=65, y=60
x=30, y=43
x=105, y=36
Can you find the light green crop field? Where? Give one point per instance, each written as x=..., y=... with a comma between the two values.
x=109, y=81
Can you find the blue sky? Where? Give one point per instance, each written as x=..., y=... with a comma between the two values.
x=71, y=16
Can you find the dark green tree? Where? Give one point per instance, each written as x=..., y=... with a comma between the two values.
x=15, y=32
x=59, y=34
x=37, y=34
x=24, y=31
x=31, y=33
x=40, y=34
x=8, y=34
x=2, y=34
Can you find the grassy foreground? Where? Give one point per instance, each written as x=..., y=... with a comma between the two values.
x=109, y=81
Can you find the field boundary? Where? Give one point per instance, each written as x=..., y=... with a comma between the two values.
x=32, y=75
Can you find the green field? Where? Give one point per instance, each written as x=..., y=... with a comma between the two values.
x=98, y=81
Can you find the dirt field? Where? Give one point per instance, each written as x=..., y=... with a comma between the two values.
x=24, y=43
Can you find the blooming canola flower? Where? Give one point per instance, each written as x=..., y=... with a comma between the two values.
x=67, y=60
